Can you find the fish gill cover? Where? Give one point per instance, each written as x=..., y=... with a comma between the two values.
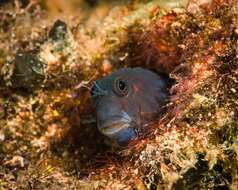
x=52, y=51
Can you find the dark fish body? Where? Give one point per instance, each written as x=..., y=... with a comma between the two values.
x=126, y=100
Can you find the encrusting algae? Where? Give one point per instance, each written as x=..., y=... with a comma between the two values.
x=51, y=55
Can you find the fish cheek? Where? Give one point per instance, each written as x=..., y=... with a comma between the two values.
x=147, y=105
x=131, y=106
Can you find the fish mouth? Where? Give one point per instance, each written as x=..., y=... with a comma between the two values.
x=113, y=128
x=116, y=124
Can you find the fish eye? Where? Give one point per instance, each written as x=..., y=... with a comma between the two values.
x=121, y=87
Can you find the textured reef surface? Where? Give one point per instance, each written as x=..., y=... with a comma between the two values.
x=52, y=51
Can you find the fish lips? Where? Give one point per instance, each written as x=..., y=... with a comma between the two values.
x=119, y=128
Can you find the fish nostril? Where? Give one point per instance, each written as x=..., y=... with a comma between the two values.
x=98, y=90
x=93, y=91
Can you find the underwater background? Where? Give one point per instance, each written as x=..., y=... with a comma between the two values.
x=51, y=51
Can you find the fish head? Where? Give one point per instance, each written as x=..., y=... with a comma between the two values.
x=127, y=99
